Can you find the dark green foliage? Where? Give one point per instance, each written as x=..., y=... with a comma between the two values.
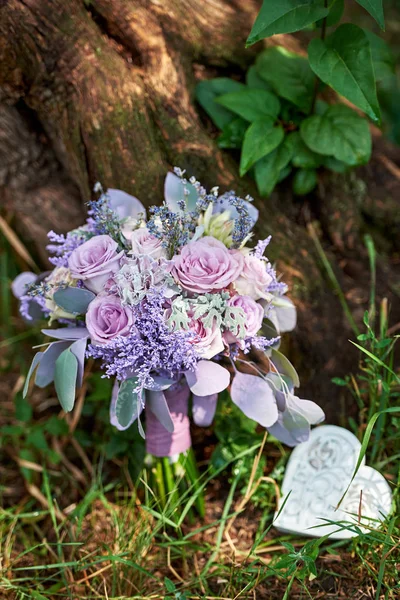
x=278, y=119
x=344, y=62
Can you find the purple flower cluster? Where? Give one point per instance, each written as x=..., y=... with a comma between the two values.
x=244, y=222
x=62, y=246
x=103, y=220
x=157, y=350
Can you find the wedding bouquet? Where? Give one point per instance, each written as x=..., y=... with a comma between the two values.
x=176, y=304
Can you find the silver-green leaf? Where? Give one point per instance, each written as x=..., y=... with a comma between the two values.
x=128, y=404
x=65, y=375
x=73, y=300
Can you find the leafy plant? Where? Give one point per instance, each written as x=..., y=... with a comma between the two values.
x=278, y=119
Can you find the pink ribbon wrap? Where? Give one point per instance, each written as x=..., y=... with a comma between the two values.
x=161, y=443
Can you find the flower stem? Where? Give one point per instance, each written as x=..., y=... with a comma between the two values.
x=317, y=79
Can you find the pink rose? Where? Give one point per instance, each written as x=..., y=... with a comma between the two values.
x=107, y=318
x=95, y=262
x=254, y=315
x=143, y=242
x=254, y=278
x=208, y=341
x=206, y=265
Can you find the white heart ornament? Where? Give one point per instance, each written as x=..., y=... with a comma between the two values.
x=317, y=475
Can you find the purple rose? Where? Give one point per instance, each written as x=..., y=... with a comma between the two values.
x=254, y=315
x=207, y=265
x=107, y=318
x=95, y=262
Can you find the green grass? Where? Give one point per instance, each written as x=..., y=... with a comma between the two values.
x=82, y=517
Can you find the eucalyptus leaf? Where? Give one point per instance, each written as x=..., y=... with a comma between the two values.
x=267, y=170
x=255, y=398
x=65, y=375
x=289, y=74
x=46, y=370
x=285, y=16
x=159, y=407
x=340, y=133
x=208, y=90
x=78, y=348
x=304, y=181
x=73, y=300
x=344, y=61
x=260, y=139
x=36, y=360
x=128, y=404
x=233, y=133
x=67, y=333
x=285, y=367
x=251, y=104
x=375, y=9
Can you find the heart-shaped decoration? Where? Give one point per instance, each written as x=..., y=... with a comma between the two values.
x=317, y=475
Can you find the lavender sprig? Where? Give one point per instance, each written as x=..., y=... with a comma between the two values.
x=155, y=349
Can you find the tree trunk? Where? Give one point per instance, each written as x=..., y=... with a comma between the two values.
x=102, y=90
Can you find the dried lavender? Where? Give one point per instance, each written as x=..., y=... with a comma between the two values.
x=157, y=350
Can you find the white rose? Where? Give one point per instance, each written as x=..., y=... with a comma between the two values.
x=254, y=279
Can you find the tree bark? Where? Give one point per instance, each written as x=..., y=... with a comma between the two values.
x=102, y=90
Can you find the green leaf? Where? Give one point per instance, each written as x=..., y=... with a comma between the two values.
x=289, y=74
x=302, y=156
x=267, y=170
x=375, y=9
x=36, y=439
x=56, y=426
x=284, y=173
x=285, y=16
x=232, y=134
x=29, y=456
x=341, y=133
x=260, y=139
x=207, y=91
x=336, y=10
x=334, y=165
x=304, y=181
x=65, y=379
x=251, y=104
x=23, y=409
x=128, y=403
x=382, y=56
x=253, y=80
x=344, y=62
x=169, y=585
